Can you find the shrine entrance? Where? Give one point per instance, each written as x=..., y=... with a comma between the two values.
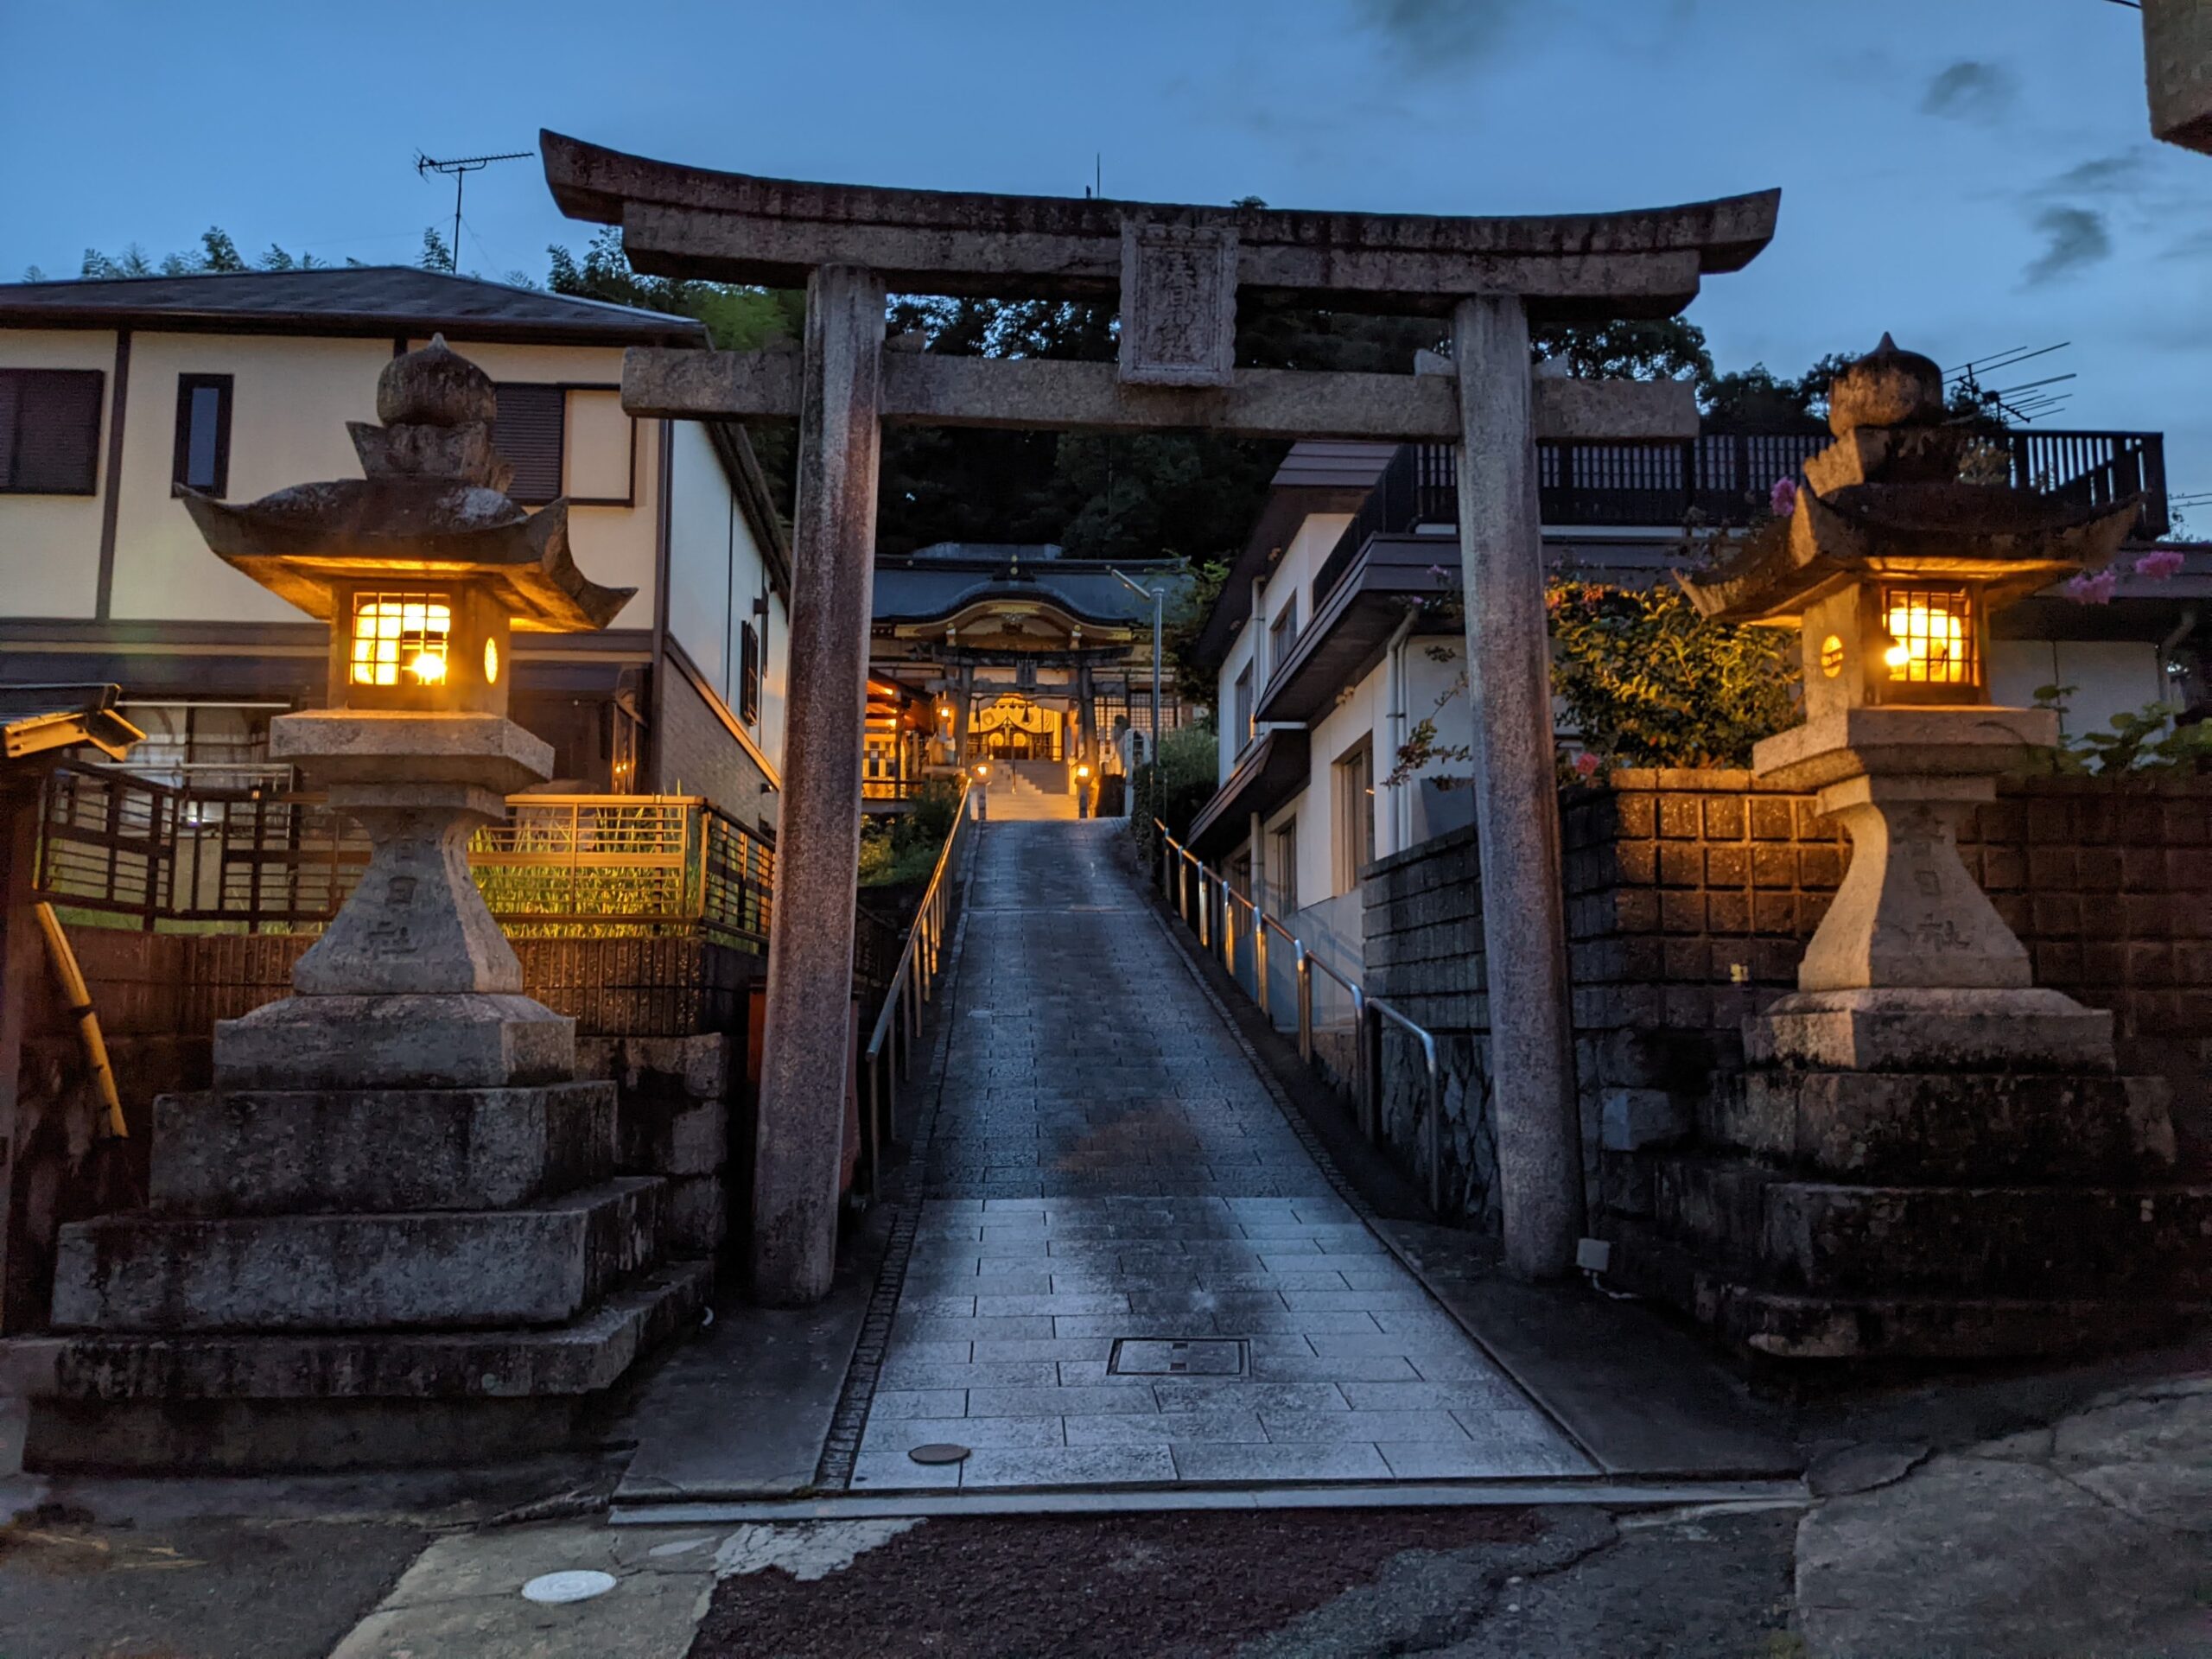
x=1181, y=276
x=1016, y=728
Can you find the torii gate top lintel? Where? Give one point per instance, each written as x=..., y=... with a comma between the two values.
x=696, y=222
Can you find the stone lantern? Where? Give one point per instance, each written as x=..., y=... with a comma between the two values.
x=1891, y=568
x=396, y=1229
x=422, y=568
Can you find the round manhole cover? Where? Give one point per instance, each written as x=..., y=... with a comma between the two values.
x=939, y=1451
x=580, y=1586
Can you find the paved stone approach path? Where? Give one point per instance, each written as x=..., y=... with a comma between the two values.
x=1108, y=1166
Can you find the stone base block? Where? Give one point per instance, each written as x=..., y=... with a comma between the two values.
x=462, y=1041
x=267, y=1404
x=661, y=1136
x=543, y=1265
x=1796, y=1325
x=1953, y=1128
x=1825, y=1237
x=2020, y=1030
x=270, y=1152
x=695, y=1213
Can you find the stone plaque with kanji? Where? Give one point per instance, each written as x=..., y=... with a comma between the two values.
x=1179, y=305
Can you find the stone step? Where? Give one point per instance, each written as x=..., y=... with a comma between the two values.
x=415, y=1270
x=262, y=1152
x=1798, y=1325
x=1990, y=1241
x=1951, y=1127
x=233, y=1404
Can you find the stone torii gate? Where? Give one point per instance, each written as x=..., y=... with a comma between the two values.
x=1178, y=274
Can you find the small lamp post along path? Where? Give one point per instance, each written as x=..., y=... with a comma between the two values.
x=1890, y=565
x=424, y=570
x=1158, y=594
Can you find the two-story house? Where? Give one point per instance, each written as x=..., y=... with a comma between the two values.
x=1335, y=638
x=113, y=394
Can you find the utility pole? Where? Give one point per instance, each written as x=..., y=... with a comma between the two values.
x=460, y=168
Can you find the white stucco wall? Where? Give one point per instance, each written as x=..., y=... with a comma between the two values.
x=716, y=572
x=2110, y=677
x=50, y=544
x=290, y=400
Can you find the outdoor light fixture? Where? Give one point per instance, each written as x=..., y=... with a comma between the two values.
x=1083, y=770
x=421, y=568
x=1891, y=564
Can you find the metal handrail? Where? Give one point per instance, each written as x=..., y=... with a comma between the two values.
x=899, y=1023
x=1217, y=900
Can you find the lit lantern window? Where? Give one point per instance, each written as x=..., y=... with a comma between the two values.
x=401, y=639
x=1932, y=636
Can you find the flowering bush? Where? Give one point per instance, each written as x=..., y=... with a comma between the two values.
x=2159, y=564
x=1782, y=499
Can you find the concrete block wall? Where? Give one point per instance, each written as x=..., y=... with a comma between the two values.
x=1690, y=896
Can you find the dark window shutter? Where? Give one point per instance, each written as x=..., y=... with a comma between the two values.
x=50, y=431
x=202, y=458
x=748, y=677
x=527, y=434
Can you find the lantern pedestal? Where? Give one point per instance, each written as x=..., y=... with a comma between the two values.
x=1912, y=967
x=395, y=1231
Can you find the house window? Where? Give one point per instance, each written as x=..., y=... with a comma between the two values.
x=1245, y=707
x=1283, y=636
x=1282, y=869
x=1355, y=813
x=50, y=431
x=202, y=460
x=528, y=431
x=749, y=675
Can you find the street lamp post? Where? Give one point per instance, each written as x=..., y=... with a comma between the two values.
x=1159, y=596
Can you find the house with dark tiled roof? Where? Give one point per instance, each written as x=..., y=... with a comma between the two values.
x=115, y=393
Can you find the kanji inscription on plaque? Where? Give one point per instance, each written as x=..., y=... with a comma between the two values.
x=1179, y=305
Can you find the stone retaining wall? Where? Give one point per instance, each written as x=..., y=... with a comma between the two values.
x=1690, y=896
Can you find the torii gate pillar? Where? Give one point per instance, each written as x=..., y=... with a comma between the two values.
x=1517, y=794
x=808, y=1044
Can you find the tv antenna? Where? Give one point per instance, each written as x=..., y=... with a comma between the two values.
x=2008, y=403
x=460, y=167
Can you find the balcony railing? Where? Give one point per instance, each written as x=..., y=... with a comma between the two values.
x=1723, y=479
x=255, y=861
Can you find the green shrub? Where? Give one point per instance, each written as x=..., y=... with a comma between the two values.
x=2143, y=743
x=1175, y=788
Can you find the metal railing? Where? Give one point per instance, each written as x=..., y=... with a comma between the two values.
x=1724, y=477
x=1209, y=905
x=114, y=843
x=886, y=1056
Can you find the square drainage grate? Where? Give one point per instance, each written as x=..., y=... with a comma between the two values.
x=1177, y=1357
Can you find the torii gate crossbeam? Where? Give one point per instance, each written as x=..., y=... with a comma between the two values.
x=1177, y=273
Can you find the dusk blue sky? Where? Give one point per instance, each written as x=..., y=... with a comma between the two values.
x=1972, y=174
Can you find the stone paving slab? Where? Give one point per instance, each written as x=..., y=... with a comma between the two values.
x=1107, y=1164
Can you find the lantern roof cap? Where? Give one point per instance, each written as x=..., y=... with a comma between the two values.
x=1886, y=387
x=2012, y=543
x=303, y=543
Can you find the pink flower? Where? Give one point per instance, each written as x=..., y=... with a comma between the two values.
x=2159, y=564
x=2087, y=589
x=1782, y=499
x=1586, y=764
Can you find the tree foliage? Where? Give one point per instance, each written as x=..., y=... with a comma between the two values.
x=1648, y=682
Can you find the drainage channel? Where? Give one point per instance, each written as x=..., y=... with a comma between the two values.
x=1746, y=1495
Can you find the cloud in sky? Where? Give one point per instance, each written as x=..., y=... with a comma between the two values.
x=1969, y=90
x=2105, y=175
x=1438, y=33
x=2073, y=239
